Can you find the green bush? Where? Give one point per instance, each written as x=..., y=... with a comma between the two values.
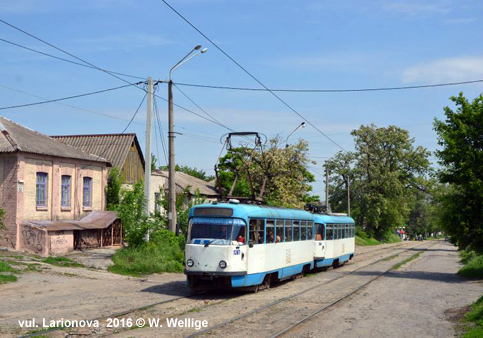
x=392, y=238
x=475, y=315
x=164, y=253
x=474, y=266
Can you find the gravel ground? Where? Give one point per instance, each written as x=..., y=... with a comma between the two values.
x=79, y=293
x=418, y=300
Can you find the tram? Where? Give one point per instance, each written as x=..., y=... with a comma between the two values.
x=233, y=245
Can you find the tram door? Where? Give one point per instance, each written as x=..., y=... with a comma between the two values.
x=319, y=243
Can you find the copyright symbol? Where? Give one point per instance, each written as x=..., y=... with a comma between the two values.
x=140, y=322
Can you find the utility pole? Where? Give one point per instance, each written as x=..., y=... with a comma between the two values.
x=171, y=178
x=172, y=172
x=327, y=205
x=147, y=159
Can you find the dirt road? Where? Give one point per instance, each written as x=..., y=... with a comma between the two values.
x=416, y=300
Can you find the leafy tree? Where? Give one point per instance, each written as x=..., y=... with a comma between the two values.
x=385, y=171
x=461, y=158
x=113, y=191
x=283, y=169
x=154, y=160
x=183, y=204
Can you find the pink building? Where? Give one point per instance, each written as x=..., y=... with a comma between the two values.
x=47, y=189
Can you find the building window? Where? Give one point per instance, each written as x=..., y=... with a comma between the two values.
x=65, y=191
x=87, y=192
x=41, y=195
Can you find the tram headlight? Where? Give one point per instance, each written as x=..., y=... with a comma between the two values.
x=222, y=264
x=190, y=262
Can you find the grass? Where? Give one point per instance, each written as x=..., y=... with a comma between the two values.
x=4, y=269
x=147, y=259
x=366, y=241
x=390, y=258
x=475, y=316
x=407, y=260
x=62, y=261
x=473, y=265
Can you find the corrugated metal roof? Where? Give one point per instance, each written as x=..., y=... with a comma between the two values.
x=94, y=220
x=183, y=180
x=114, y=147
x=17, y=138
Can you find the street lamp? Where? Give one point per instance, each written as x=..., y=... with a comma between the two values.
x=302, y=125
x=171, y=181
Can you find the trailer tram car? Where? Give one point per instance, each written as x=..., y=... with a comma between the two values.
x=234, y=245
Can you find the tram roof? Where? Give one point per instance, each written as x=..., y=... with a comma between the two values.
x=256, y=211
x=337, y=219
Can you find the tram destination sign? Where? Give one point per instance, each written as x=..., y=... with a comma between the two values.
x=226, y=212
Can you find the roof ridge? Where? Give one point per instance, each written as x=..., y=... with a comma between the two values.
x=17, y=147
x=93, y=135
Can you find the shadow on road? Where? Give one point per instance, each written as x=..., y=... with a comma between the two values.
x=421, y=275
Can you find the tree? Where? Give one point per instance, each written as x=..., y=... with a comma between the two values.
x=461, y=160
x=154, y=160
x=113, y=191
x=384, y=172
x=283, y=169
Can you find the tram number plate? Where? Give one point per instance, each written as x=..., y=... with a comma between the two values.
x=236, y=252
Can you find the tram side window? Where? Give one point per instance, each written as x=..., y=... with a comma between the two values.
x=310, y=230
x=319, y=232
x=346, y=234
x=353, y=230
x=303, y=230
x=330, y=232
x=257, y=231
x=270, y=228
x=279, y=231
x=296, y=231
x=336, y=231
x=288, y=231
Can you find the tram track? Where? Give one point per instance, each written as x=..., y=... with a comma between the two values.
x=335, y=302
x=297, y=294
x=172, y=302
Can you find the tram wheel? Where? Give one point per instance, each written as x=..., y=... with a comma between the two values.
x=267, y=281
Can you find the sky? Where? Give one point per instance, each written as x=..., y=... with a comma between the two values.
x=285, y=44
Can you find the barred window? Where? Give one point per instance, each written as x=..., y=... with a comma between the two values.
x=41, y=192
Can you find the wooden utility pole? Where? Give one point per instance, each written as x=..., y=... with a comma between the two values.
x=147, y=159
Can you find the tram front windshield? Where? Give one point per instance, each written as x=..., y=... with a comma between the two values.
x=221, y=230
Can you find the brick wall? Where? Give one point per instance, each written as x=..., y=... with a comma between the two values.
x=8, y=190
x=18, y=178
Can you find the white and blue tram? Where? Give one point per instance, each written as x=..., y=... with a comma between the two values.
x=241, y=245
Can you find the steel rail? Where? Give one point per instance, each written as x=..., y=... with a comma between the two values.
x=281, y=300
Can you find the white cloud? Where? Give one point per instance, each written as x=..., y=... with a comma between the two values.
x=445, y=70
x=459, y=21
x=417, y=8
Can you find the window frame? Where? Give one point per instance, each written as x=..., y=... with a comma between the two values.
x=89, y=200
x=45, y=188
x=67, y=186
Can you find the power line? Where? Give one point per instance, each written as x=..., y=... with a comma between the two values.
x=63, y=51
x=69, y=97
x=251, y=75
x=328, y=90
x=69, y=61
x=124, y=130
x=68, y=105
x=158, y=119
x=204, y=111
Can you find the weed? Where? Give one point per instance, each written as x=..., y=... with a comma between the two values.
x=407, y=260
x=62, y=261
